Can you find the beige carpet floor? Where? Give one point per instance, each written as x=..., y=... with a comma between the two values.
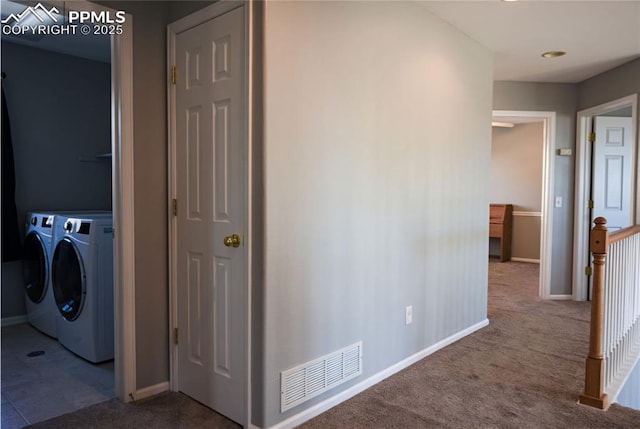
x=525, y=370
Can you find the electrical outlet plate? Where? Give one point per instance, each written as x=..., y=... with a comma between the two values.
x=408, y=315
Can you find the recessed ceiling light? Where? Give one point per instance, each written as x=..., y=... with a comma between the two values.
x=553, y=54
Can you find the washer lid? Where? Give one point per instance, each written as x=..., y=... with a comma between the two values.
x=34, y=267
x=68, y=275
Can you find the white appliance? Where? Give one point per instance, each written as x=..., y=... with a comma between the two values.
x=82, y=283
x=42, y=312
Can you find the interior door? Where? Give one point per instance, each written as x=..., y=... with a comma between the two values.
x=612, y=172
x=210, y=226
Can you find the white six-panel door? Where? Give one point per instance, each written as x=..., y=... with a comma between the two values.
x=613, y=171
x=210, y=192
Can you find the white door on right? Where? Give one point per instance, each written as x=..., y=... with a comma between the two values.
x=613, y=171
x=210, y=220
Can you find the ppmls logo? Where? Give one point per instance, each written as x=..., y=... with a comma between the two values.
x=40, y=13
x=36, y=22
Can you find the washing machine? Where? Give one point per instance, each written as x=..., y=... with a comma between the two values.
x=82, y=284
x=42, y=312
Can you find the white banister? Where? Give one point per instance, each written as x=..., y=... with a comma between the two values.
x=614, y=345
x=622, y=306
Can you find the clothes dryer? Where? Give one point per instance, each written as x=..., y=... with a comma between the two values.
x=82, y=283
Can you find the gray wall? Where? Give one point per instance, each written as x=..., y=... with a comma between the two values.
x=376, y=191
x=516, y=178
x=59, y=108
x=609, y=86
x=13, y=304
x=60, y=111
x=181, y=8
x=562, y=99
x=629, y=395
x=150, y=161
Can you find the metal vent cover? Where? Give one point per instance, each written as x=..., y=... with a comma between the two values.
x=299, y=384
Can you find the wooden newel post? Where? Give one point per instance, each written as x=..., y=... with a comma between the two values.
x=593, y=394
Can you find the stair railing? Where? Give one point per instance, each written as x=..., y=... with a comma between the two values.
x=614, y=341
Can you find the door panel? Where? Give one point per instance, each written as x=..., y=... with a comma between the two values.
x=612, y=171
x=210, y=172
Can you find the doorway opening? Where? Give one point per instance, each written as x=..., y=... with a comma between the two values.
x=116, y=158
x=590, y=181
x=537, y=213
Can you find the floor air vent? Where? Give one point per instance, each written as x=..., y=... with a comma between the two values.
x=303, y=382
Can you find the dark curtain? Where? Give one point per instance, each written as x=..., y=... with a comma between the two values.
x=11, y=249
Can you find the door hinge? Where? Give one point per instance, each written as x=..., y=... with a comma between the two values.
x=592, y=136
x=174, y=207
x=174, y=75
x=590, y=204
x=175, y=335
x=587, y=271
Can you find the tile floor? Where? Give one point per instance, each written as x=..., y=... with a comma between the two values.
x=57, y=382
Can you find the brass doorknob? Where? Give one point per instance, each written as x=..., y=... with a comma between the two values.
x=232, y=241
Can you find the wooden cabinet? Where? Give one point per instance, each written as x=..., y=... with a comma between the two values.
x=500, y=226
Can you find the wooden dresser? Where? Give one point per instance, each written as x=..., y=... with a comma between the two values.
x=500, y=226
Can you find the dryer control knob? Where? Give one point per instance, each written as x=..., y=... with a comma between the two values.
x=68, y=226
x=34, y=221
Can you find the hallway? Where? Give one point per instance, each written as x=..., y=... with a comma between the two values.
x=524, y=370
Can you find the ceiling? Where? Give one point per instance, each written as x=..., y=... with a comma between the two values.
x=597, y=35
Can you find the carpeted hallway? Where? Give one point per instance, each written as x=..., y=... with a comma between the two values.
x=525, y=370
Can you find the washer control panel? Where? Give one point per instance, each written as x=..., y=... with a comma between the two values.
x=77, y=226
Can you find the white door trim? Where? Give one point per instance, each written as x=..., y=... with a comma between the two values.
x=581, y=223
x=123, y=209
x=548, y=160
x=122, y=204
x=173, y=29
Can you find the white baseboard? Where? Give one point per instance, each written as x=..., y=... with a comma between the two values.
x=526, y=214
x=323, y=406
x=151, y=390
x=11, y=321
x=560, y=297
x=532, y=261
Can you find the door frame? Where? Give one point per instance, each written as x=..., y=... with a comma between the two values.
x=546, y=225
x=582, y=221
x=122, y=186
x=123, y=205
x=173, y=29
